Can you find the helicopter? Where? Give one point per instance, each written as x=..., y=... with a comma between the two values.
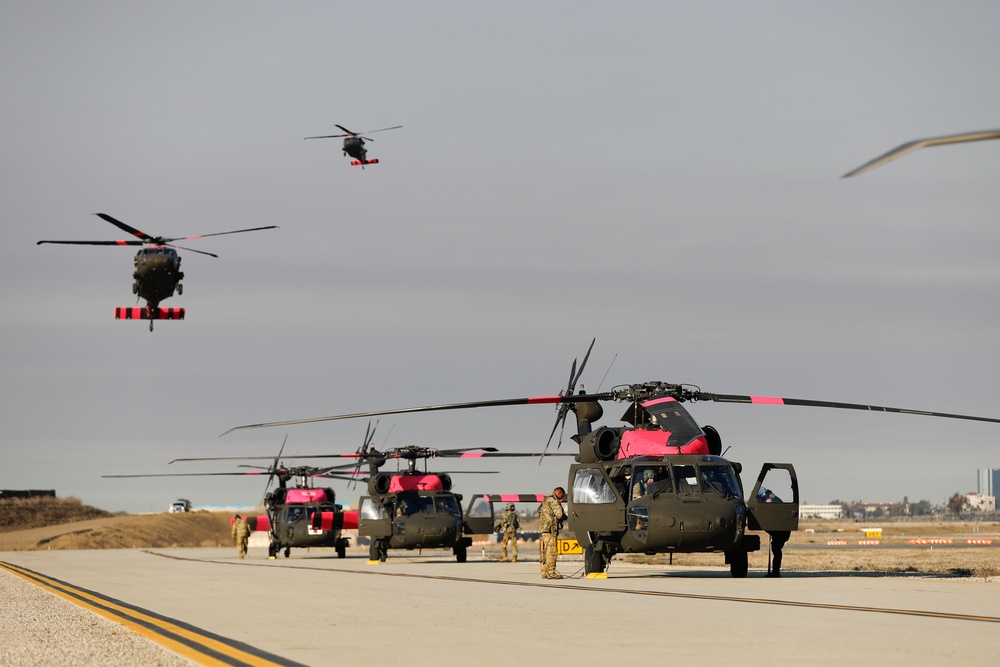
x=412, y=509
x=354, y=144
x=911, y=146
x=157, y=272
x=659, y=484
x=290, y=510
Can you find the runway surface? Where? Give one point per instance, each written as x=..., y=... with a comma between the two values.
x=426, y=609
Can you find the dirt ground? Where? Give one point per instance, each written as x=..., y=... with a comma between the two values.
x=126, y=531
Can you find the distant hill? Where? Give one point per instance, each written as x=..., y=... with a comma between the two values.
x=23, y=513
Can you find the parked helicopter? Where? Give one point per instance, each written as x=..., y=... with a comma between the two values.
x=157, y=269
x=354, y=144
x=911, y=146
x=290, y=510
x=691, y=500
x=411, y=509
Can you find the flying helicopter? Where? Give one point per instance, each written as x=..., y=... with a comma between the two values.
x=354, y=144
x=692, y=500
x=157, y=272
x=911, y=146
x=290, y=509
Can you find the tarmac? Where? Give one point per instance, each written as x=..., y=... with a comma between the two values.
x=425, y=609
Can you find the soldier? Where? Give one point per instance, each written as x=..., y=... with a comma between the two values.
x=550, y=518
x=241, y=535
x=509, y=525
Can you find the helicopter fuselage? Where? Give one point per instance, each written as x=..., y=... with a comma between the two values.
x=157, y=274
x=294, y=521
x=678, y=503
x=355, y=147
x=416, y=511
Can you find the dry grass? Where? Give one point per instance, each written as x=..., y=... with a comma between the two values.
x=23, y=513
x=810, y=551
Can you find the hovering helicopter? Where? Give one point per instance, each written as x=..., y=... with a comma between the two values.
x=354, y=144
x=692, y=500
x=157, y=269
x=290, y=510
x=911, y=146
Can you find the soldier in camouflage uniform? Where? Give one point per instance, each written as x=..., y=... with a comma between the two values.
x=241, y=535
x=508, y=524
x=550, y=518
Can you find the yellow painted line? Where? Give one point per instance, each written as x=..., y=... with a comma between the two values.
x=197, y=645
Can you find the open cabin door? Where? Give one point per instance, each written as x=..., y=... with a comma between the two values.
x=774, y=503
x=479, y=516
x=373, y=518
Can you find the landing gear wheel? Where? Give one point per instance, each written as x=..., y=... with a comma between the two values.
x=461, y=554
x=378, y=551
x=288, y=552
x=341, y=551
x=272, y=550
x=739, y=564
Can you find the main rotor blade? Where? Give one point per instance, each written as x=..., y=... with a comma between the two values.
x=95, y=242
x=121, y=225
x=200, y=252
x=911, y=146
x=536, y=400
x=235, y=231
x=187, y=474
x=774, y=400
x=330, y=136
x=394, y=127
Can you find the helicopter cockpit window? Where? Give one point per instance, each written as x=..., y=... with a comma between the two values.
x=295, y=513
x=591, y=488
x=719, y=479
x=426, y=505
x=651, y=481
x=372, y=510
x=407, y=504
x=686, y=479
x=447, y=505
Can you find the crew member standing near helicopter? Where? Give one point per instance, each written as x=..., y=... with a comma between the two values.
x=241, y=535
x=508, y=524
x=550, y=518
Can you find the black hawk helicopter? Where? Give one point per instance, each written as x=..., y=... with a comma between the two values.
x=290, y=509
x=911, y=146
x=354, y=144
x=157, y=272
x=411, y=509
x=692, y=500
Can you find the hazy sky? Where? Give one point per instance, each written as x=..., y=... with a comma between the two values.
x=663, y=176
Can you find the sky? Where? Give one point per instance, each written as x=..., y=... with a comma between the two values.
x=662, y=176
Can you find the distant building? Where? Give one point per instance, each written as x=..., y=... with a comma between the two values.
x=989, y=481
x=27, y=493
x=821, y=512
x=979, y=502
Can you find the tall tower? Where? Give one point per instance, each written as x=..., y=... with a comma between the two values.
x=989, y=481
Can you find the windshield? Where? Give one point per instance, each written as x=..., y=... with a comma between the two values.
x=448, y=505
x=720, y=479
